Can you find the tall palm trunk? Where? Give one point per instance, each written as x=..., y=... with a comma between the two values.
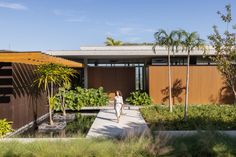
x=187, y=89
x=170, y=84
x=49, y=105
x=63, y=105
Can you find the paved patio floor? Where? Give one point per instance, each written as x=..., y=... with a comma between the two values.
x=105, y=125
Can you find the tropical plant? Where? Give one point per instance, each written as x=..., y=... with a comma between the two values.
x=91, y=97
x=139, y=98
x=50, y=75
x=111, y=42
x=171, y=41
x=80, y=97
x=68, y=98
x=225, y=51
x=66, y=74
x=5, y=127
x=190, y=41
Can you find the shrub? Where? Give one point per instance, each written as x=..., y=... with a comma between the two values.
x=75, y=99
x=69, y=98
x=219, y=117
x=5, y=127
x=139, y=98
x=92, y=97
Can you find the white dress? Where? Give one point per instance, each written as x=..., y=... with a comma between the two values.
x=118, y=102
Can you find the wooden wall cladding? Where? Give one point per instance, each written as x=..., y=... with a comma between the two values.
x=206, y=85
x=112, y=79
x=6, y=90
x=28, y=102
x=20, y=102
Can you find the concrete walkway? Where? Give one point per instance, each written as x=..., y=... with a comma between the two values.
x=105, y=125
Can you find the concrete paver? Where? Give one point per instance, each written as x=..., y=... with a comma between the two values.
x=105, y=124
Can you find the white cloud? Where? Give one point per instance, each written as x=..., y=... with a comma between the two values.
x=134, y=30
x=14, y=6
x=108, y=23
x=70, y=15
x=78, y=19
x=134, y=39
x=59, y=12
x=127, y=30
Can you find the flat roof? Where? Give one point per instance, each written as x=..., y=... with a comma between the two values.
x=123, y=51
x=35, y=58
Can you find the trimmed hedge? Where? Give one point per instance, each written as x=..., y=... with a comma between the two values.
x=202, y=117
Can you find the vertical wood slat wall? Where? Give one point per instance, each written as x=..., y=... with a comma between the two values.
x=19, y=101
x=6, y=91
x=112, y=79
x=206, y=86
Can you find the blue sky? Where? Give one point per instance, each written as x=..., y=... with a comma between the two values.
x=69, y=24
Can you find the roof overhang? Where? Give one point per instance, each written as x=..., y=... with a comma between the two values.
x=35, y=58
x=124, y=52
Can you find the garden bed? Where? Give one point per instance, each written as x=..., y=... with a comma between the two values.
x=200, y=117
x=76, y=128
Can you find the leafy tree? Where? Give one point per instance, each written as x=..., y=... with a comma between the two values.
x=171, y=41
x=111, y=42
x=190, y=41
x=225, y=50
x=50, y=75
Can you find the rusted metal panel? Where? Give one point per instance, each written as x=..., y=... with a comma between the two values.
x=112, y=79
x=207, y=85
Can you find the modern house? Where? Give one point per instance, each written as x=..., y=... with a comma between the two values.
x=129, y=68
x=125, y=68
x=20, y=102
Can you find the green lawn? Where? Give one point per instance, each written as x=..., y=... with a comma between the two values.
x=203, y=117
x=203, y=144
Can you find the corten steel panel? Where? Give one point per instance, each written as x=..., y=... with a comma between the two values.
x=206, y=85
x=112, y=79
x=28, y=102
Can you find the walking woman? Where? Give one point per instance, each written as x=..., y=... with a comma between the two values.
x=118, y=104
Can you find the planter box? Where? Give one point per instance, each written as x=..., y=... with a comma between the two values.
x=68, y=118
x=56, y=127
x=27, y=126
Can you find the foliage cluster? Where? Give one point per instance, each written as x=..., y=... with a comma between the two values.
x=80, y=97
x=5, y=127
x=139, y=98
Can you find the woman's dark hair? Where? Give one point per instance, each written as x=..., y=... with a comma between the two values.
x=118, y=92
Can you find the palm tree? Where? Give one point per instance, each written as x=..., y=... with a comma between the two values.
x=49, y=75
x=190, y=41
x=171, y=42
x=111, y=42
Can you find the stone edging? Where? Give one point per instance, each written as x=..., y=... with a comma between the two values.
x=27, y=126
